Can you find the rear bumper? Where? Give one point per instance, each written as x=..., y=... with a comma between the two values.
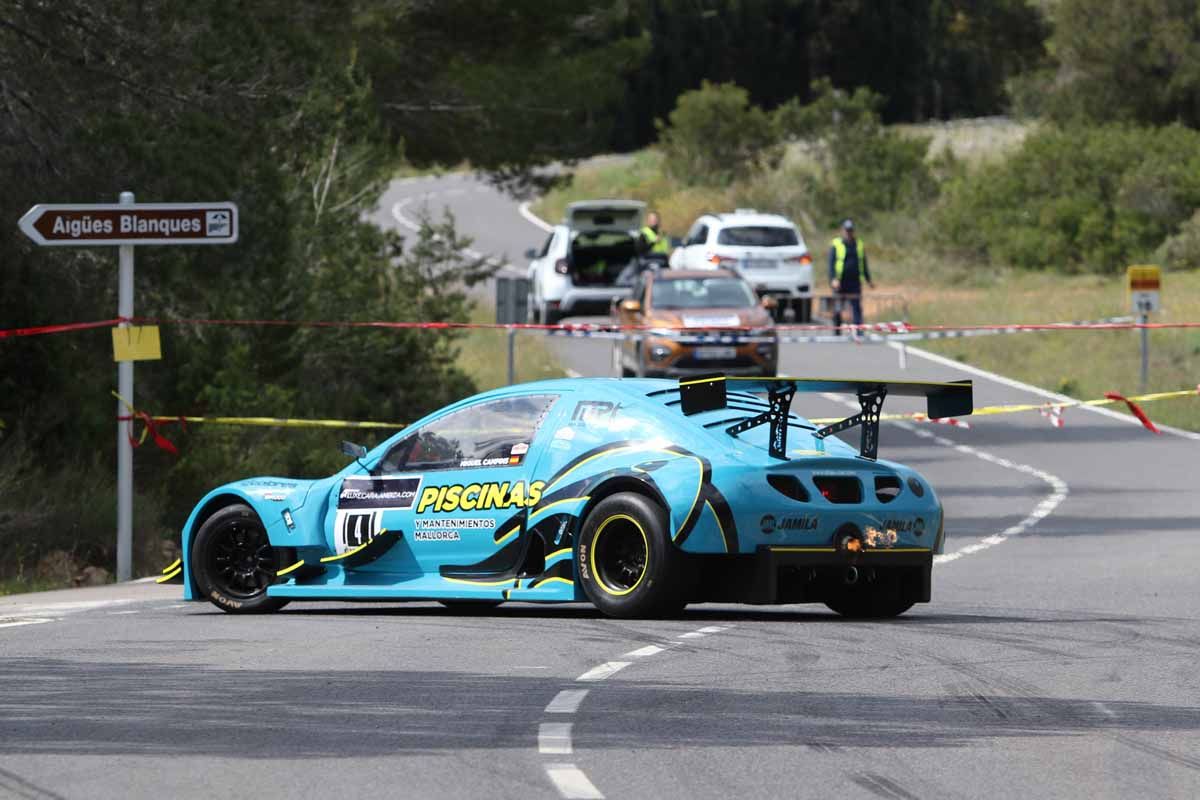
x=780, y=574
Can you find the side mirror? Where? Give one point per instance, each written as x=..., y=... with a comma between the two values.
x=631, y=306
x=355, y=451
x=531, y=254
x=769, y=303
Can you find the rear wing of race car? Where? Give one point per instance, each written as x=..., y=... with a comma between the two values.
x=710, y=393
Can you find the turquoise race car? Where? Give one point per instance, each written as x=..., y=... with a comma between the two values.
x=636, y=495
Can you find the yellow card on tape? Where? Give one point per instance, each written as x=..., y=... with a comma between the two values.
x=136, y=343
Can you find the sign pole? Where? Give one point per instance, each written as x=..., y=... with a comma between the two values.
x=1145, y=352
x=125, y=427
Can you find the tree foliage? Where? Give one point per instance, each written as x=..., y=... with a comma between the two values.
x=1078, y=199
x=715, y=136
x=1125, y=60
x=927, y=59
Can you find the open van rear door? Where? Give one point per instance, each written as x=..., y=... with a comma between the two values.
x=594, y=216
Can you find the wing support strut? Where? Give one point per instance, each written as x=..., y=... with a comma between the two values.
x=780, y=398
x=870, y=402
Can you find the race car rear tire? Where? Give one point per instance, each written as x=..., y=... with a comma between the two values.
x=234, y=562
x=625, y=560
x=881, y=600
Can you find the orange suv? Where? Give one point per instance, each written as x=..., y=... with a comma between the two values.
x=683, y=313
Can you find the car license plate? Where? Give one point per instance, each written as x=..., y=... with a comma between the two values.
x=715, y=353
x=759, y=263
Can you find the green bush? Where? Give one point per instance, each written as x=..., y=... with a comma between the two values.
x=1182, y=251
x=859, y=167
x=715, y=136
x=1076, y=199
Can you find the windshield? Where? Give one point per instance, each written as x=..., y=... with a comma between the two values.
x=759, y=236
x=702, y=293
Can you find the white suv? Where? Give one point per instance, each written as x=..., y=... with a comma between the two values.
x=586, y=261
x=765, y=249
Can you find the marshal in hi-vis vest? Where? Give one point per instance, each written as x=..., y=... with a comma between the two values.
x=839, y=249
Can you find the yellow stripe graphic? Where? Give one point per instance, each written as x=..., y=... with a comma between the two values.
x=169, y=576
x=349, y=553
x=292, y=568
x=173, y=565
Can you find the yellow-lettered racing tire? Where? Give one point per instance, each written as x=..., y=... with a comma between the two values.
x=234, y=563
x=625, y=559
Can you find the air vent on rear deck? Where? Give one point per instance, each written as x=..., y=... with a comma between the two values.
x=887, y=488
x=789, y=486
x=839, y=489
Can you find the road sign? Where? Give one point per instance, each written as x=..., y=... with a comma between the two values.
x=1145, y=284
x=97, y=225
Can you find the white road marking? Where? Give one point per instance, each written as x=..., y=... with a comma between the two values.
x=567, y=701
x=605, y=670
x=571, y=373
x=642, y=652
x=691, y=635
x=119, y=613
x=572, y=783
x=713, y=629
x=554, y=738
x=1103, y=709
x=534, y=218
x=64, y=608
x=13, y=622
x=1025, y=387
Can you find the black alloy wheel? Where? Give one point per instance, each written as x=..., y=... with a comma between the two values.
x=620, y=555
x=234, y=562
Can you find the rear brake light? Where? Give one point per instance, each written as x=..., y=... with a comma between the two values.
x=806, y=259
x=722, y=261
x=561, y=266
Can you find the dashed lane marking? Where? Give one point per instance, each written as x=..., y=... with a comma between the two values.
x=642, y=652
x=567, y=701
x=605, y=670
x=572, y=783
x=554, y=738
x=691, y=635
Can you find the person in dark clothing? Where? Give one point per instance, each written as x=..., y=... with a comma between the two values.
x=847, y=270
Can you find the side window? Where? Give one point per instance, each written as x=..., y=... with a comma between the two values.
x=694, y=235
x=546, y=246
x=495, y=433
x=702, y=236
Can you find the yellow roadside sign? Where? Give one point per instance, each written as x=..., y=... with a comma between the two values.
x=136, y=343
x=1145, y=286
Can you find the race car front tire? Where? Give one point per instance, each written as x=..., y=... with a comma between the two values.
x=625, y=559
x=234, y=563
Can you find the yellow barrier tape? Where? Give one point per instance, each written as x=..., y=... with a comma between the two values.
x=1017, y=408
x=176, y=563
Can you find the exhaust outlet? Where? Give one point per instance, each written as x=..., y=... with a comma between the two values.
x=851, y=576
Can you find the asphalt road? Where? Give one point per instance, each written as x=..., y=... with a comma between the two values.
x=1057, y=659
